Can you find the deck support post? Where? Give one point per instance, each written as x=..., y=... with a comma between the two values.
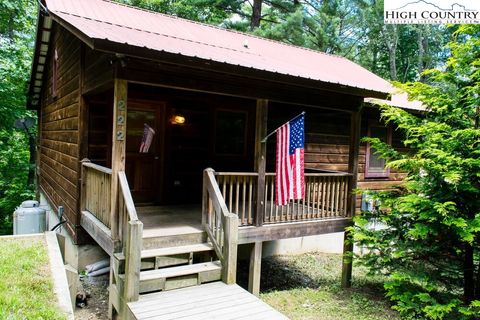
x=255, y=268
x=355, y=126
x=260, y=158
x=118, y=147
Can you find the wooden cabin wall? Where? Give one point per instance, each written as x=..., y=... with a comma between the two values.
x=59, y=149
x=99, y=72
x=327, y=135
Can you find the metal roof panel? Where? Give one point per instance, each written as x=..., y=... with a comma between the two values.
x=101, y=19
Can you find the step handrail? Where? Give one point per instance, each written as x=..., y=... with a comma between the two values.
x=127, y=196
x=131, y=232
x=221, y=226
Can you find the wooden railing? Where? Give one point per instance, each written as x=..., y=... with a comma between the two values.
x=221, y=226
x=96, y=190
x=96, y=196
x=238, y=190
x=130, y=231
x=326, y=196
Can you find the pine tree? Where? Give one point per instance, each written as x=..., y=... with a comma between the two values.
x=429, y=244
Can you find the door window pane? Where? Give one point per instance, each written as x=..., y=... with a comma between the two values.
x=136, y=121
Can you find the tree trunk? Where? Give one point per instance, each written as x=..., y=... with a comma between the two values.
x=393, y=63
x=256, y=14
x=390, y=36
x=477, y=283
x=374, y=60
x=422, y=43
x=468, y=275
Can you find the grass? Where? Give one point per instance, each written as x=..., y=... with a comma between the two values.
x=308, y=287
x=26, y=289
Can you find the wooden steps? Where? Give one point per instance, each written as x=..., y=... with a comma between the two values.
x=168, y=251
x=173, y=240
x=179, y=277
x=197, y=268
x=168, y=268
x=215, y=300
x=192, y=248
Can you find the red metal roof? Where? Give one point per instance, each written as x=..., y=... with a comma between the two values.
x=117, y=23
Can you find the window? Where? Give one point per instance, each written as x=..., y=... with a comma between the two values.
x=374, y=165
x=55, y=74
x=231, y=133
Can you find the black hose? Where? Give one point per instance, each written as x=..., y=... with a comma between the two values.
x=61, y=219
x=58, y=225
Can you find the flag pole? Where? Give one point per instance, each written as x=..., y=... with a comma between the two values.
x=271, y=133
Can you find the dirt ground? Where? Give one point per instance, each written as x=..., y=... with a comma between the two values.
x=97, y=304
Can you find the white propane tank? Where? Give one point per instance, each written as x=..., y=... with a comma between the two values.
x=29, y=218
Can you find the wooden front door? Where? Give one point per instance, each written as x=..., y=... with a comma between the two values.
x=144, y=150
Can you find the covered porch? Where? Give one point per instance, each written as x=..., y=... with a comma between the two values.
x=198, y=130
x=134, y=201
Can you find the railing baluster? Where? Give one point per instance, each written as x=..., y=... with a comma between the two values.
x=272, y=198
x=244, y=196
x=237, y=194
x=342, y=196
x=224, y=187
x=266, y=218
x=337, y=196
x=345, y=196
x=250, y=200
x=230, y=192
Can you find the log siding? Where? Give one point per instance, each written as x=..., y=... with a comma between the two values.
x=59, y=129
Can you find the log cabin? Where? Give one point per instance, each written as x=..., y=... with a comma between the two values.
x=150, y=139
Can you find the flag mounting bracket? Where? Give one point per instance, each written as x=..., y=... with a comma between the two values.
x=271, y=133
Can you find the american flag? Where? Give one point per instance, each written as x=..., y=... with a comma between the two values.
x=289, y=177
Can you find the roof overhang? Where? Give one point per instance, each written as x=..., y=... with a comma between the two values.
x=400, y=100
x=40, y=58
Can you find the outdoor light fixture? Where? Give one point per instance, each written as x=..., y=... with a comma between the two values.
x=177, y=119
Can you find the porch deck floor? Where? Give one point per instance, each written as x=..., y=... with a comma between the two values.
x=170, y=220
x=215, y=300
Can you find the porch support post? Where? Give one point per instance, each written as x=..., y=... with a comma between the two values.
x=260, y=157
x=255, y=268
x=118, y=147
x=355, y=126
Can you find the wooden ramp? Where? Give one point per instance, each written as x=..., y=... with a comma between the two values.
x=215, y=300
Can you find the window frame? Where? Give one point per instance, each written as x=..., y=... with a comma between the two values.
x=386, y=171
x=218, y=153
x=55, y=73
